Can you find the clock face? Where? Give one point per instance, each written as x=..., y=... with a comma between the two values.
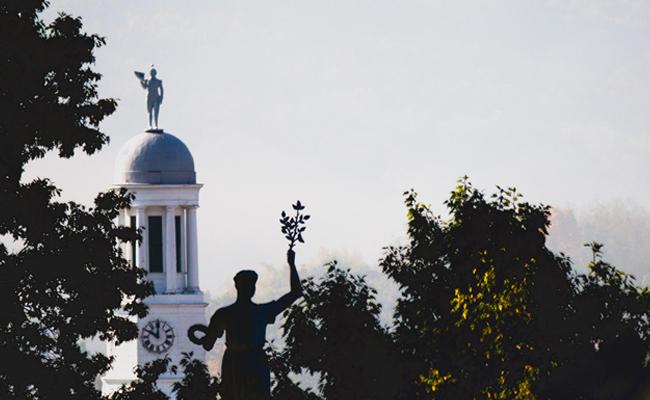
x=157, y=336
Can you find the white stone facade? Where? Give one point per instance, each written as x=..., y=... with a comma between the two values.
x=167, y=215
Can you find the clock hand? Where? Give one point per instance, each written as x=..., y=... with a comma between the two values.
x=149, y=329
x=154, y=334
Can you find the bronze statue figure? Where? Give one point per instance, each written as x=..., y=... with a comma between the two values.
x=155, y=94
x=245, y=372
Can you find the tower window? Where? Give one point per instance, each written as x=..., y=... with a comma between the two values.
x=155, y=244
x=177, y=223
x=134, y=243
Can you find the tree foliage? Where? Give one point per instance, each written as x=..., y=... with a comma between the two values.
x=488, y=312
x=63, y=278
x=284, y=386
x=609, y=352
x=197, y=383
x=334, y=332
x=145, y=386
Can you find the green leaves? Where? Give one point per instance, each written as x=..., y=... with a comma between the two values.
x=487, y=311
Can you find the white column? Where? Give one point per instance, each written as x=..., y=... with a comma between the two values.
x=169, y=243
x=184, y=248
x=142, y=250
x=124, y=246
x=192, y=251
x=121, y=217
x=128, y=246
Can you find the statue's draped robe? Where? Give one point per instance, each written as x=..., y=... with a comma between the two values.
x=245, y=372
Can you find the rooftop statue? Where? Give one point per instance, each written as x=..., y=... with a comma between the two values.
x=155, y=94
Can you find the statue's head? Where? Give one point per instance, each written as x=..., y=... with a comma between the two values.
x=245, y=283
x=153, y=72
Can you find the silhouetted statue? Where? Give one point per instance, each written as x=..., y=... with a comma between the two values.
x=245, y=372
x=154, y=94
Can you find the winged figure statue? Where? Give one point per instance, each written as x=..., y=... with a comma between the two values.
x=155, y=94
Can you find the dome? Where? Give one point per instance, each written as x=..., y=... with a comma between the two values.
x=155, y=157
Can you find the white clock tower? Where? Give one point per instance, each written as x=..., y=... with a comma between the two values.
x=158, y=169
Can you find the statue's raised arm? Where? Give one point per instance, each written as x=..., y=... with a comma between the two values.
x=296, y=288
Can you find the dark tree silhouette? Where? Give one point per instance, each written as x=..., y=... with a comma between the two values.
x=197, y=384
x=145, y=386
x=335, y=332
x=284, y=387
x=63, y=278
x=487, y=311
x=610, y=339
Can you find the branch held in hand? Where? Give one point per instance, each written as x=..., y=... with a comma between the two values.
x=293, y=227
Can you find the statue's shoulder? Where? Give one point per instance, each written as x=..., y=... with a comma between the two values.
x=227, y=309
x=224, y=311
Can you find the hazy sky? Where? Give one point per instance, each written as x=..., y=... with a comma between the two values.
x=346, y=104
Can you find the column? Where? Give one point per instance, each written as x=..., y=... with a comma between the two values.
x=192, y=251
x=142, y=250
x=124, y=246
x=184, y=248
x=121, y=217
x=129, y=246
x=169, y=243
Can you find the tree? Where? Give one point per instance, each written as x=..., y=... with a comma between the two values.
x=197, y=384
x=66, y=279
x=611, y=340
x=465, y=323
x=145, y=386
x=488, y=312
x=334, y=332
x=284, y=387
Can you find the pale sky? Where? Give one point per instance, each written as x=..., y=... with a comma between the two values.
x=345, y=104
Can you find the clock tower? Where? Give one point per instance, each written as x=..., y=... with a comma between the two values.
x=158, y=169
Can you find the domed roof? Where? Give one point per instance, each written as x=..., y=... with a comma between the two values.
x=155, y=157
